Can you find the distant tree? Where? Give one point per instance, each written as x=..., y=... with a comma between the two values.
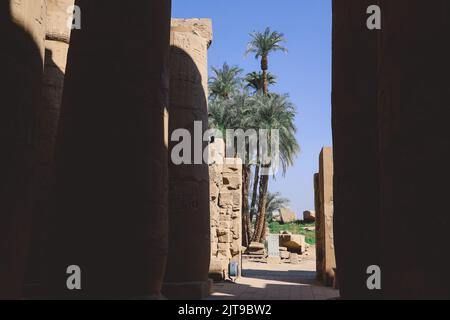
x=255, y=81
x=274, y=112
x=275, y=202
x=262, y=44
x=225, y=81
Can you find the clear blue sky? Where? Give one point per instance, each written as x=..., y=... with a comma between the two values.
x=304, y=73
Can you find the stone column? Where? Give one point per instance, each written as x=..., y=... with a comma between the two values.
x=355, y=146
x=111, y=154
x=22, y=34
x=390, y=132
x=319, y=240
x=327, y=260
x=413, y=100
x=56, y=49
x=189, y=226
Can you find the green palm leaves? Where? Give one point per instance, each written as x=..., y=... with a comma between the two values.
x=255, y=81
x=225, y=81
x=263, y=43
x=237, y=103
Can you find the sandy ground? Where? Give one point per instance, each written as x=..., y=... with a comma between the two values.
x=262, y=281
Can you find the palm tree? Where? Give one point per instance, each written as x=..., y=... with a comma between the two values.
x=262, y=44
x=219, y=116
x=235, y=113
x=225, y=82
x=254, y=80
x=274, y=112
x=274, y=203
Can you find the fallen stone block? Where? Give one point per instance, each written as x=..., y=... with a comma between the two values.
x=256, y=246
x=293, y=242
x=287, y=215
x=309, y=216
x=294, y=258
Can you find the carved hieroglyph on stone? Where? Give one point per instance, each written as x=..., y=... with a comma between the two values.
x=189, y=218
x=225, y=208
x=324, y=192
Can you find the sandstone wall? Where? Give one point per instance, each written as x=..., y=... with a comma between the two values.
x=326, y=261
x=226, y=212
x=189, y=242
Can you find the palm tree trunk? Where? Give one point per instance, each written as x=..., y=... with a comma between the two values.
x=264, y=68
x=265, y=83
x=264, y=181
x=255, y=192
x=261, y=220
x=246, y=236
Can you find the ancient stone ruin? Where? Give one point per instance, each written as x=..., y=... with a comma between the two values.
x=189, y=218
x=325, y=255
x=309, y=216
x=85, y=175
x=226, y=211
x=287, y=215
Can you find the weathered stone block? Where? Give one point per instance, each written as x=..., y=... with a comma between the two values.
x=256, y=246
x=214, y=248
x=226, y=199
x=224, y=256
x=232, y=182
x=294, y=258
x=222, y=231
x=224, y=218
x=222, y=247
x=326, y=214
x=236, y=226
x=216, y=270
x=213, y=233
x=213, y=191
x=225, y=238
x=293, y=242
x=287, y=215
x=214, y=210
x=235, y=248
x=285, y=254
x=309, y=216
x=225, y=225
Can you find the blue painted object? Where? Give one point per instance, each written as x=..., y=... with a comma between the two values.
x=233, y=269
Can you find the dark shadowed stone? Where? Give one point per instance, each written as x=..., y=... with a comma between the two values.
x=111, y=155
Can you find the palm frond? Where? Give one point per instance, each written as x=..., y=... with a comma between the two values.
x=225, y=81
x=255, y=80
x=263, y=43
